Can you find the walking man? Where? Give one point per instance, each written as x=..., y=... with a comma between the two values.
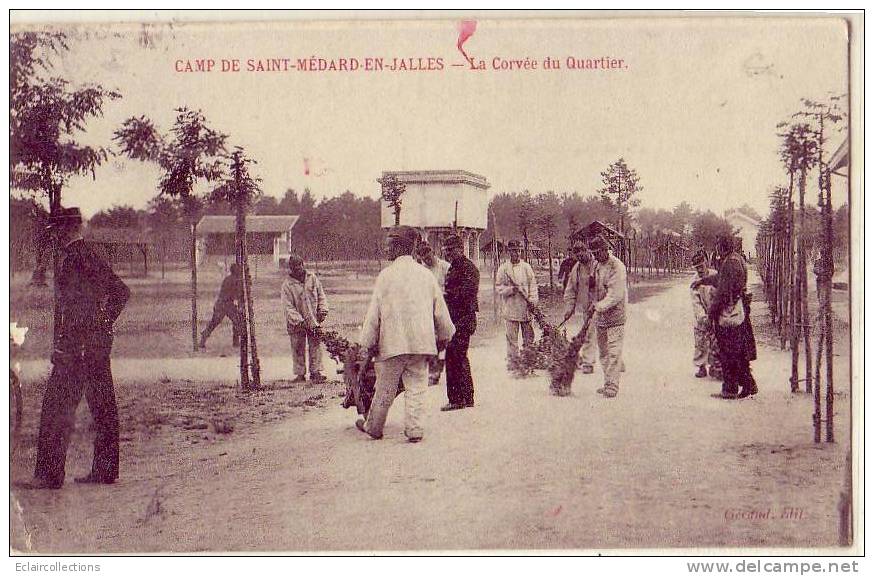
x=439, y=268
x=462, y=289
x=516, y=283
x=306, y=307
x=610, y=299
x=406, y=322
x=706, y=350
x=90, y=299
x=227, y=305
x=577, y=296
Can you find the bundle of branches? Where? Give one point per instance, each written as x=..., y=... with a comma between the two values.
x=552, y=352
x=563, y=359
x=358, y=372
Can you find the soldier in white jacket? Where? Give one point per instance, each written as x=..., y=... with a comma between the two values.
x=610, y=297
x=305, y=306
x=515, y=283
x=578, y=298
x=406, y=323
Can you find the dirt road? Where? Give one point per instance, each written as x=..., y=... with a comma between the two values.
x=661, y=465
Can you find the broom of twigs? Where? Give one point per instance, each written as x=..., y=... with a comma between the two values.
x=358, y=372
x=552, y=352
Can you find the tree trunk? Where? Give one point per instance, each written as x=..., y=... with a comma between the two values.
x=802, y=281
x=549, y=255
x=193, y=263
x=242, y=310
x=793, y=289
x=250, y=314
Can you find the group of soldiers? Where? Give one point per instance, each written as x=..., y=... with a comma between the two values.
x=421, y=307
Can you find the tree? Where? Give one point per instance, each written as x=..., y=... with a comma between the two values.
x=548, y=210
x=163, y=216
x=267, y=205
x=525, y=219
x=392, y=193
x=621, y=185
x=46, y=115
x=187, y=154
x=240, y=190
x=117, y=217
x=707, y=227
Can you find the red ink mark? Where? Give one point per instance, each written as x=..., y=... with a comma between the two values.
x=314, y=167
x=466, y=28
x=555, y=512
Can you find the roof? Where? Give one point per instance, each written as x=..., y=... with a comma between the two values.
x=597, y=227
x=438, y=176
x=131, y=236
x=738, y=215
x=228, y=224
x=841, y=157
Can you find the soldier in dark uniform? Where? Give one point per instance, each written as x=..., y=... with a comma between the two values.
x=90, y=299
x=462, y=287
x=226, y=305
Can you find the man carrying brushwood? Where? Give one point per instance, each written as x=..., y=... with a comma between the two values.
x=577, y=297
x=706, y=351
x=610, y=299
x=226, y=306
x=439, y=267
x=406, y=322
x=462, y=288
x=306, y=307
x=516, y=285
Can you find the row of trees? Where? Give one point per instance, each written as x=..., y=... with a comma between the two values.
x=48, y=115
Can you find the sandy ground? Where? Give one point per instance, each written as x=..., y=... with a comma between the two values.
x=661, y=465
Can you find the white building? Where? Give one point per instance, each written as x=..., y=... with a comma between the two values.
x=438, y=202
x=267, y=237
x=746, y=227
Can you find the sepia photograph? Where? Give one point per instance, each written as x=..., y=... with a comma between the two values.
x=435, y=283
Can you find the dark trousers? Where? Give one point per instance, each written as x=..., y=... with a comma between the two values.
x=459, y=381
x=89, y=373
x=220, y=312
x=736, y=372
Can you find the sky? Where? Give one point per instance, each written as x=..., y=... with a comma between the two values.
x=693, y=108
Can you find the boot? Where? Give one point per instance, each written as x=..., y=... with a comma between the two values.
x=702, y=372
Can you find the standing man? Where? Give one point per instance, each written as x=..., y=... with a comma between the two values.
x=577, y=296
x=706, y=350
x=227, y=305
x=90, y=299
x=566, y=266
x=406, y=322
x=306, y=307
x=610, y=298
x=439, y=268
x=737, y=344
x=462, y=288
x=516, y=283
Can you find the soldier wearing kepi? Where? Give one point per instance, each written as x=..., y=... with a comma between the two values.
x=516, y=283
x=706, y=350
x=227, y=305
x=577, y=296
x=462, y=289
x=610, y=299
x=406, y=322
x=90, y=299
